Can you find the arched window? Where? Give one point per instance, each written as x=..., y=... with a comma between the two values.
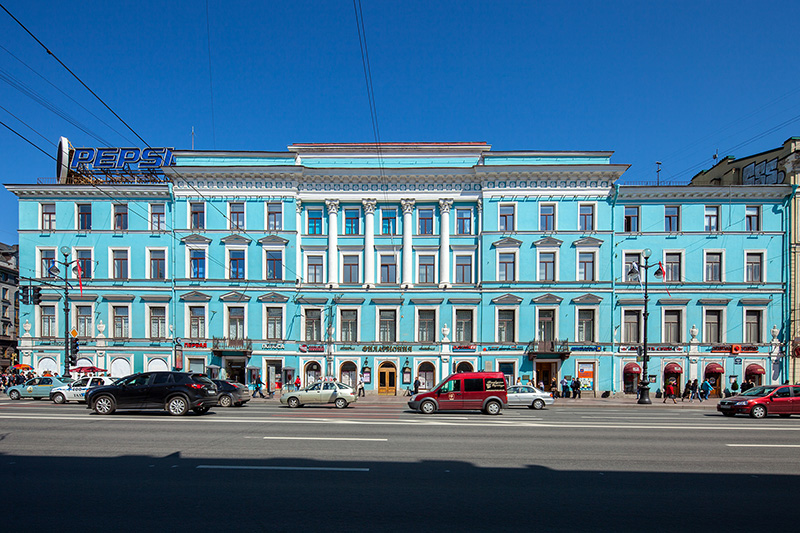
x=347, y=374
x=427, y=376
x=464, y=366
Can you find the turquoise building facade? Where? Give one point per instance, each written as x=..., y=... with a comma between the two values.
x=415, y=260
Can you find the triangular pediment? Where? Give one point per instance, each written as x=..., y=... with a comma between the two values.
x=587, y=241
x=234, y=296
x=195, y=296
x=587, y=299
x=507, y=299
x=508, y=242
x=195, y=238
x=273, y=297
x=547, y=299
x=235, y=239
x=549, y=242
x=273, y=239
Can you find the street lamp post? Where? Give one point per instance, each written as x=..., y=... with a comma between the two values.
x=65, y=252
x=641, y=272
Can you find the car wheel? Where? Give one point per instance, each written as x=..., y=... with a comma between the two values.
x=538, y=403
x=758, y=411
x=14, y=395
x=427, y=408
x=727, y=413
x=177, y=406
x=225, y=400
x=203, y=409
x=293, y=402
x=492, y=408
x=341, y=403
x=104, y=405
x=59, y=398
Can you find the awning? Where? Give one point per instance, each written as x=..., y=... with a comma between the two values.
x=714, y=368
x=213, y=366
x=632, y=368
x=674, y=368
x=754, y=368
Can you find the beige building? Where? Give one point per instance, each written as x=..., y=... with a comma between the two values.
x=780, y=165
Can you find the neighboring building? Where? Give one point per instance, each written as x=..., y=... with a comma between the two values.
x=416, y=260
x=777, y=166
x=9, y=305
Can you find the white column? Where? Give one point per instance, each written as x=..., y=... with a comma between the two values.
x=445, y=205
x=369, y=241
x=408, y=228
x=333, y=242
x=479, y=232
x=298, y=222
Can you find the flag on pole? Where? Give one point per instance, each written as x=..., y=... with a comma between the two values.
x=661, y=267
x=80, y=275
x=635, y=267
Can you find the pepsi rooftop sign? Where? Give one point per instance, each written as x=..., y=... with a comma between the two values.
x=121, y=158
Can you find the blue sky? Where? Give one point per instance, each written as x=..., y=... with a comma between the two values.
x=668, y=81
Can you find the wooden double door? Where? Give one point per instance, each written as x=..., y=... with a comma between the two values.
x=387, y=379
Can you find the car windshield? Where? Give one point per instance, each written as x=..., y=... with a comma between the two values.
x=758, y=391
x=440, y=383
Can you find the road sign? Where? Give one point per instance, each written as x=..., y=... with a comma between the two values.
x=73, y=332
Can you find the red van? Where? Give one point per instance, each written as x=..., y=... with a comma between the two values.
x=485, y=391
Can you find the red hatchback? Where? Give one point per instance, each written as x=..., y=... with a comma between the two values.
x=758, y=402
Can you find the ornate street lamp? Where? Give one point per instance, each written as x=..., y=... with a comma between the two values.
x=641, y=273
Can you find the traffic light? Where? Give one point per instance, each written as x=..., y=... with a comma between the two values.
x=74, y=348
x=24, y=295
x=36, y=295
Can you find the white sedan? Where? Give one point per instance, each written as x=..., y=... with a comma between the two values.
x=75, y=391
x=529, y=397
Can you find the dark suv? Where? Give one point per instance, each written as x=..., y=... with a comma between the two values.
x=177, y=392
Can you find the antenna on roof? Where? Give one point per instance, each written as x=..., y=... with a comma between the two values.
x=192, y=138
x=658, y=173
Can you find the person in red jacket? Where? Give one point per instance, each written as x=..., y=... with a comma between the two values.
x=297, y=383
x=669, y=392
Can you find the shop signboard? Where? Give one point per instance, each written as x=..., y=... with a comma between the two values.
x=586, y=375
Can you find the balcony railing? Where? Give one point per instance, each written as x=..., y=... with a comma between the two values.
x=554, y=346
x=218, y=343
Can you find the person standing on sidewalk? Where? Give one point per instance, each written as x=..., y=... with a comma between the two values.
x=297, y=383
x=416, y=385
x=694, y=392
x=360, y=387
x=564, y=388
x=576, y=388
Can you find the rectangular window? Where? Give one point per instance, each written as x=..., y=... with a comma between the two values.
x=388, y=269
x=506, y=218
x=426, y=326
x=426, y=221
x=197, y=264
x=84, y=217
x=48, y=314
x=85, y=261
x=389, y=221
x=120, y=217
x=48, y=261
x=547, y=325
x=463, y=269
x=274, y=323
x=236, y=323
x=274, y=265
x=714, y=266
x=586, y=325
x=506, y=267
x=274, y=217
x=350, y=269
x=753, y=264
x=158, y=217
x=631, y=223
x=315, y=221
x=121, y=322
x=547, y=266
x=752, y=218
x=752, y=327
x=48, y=217
x=120, y=264
x=313, y=325
x=349, y=327
x=713, y=326
x=505, y=325
x=387, y=325
x=236, y=260
x=315, y=269
x=632, y=329
x=547, y=217
x=712, y=218
x=198, y=216
x=158, y=322
x=197, y=322
x=630, y=259
x=84, y=320
x=426, y=269
x=351, y=218
x=463, y=325
x=158, y=264
x=672, y=326
x=672, y=218
x=237, y=216
x=672, y=267
x=463, y=221
x=586, y=217
x=586, y=266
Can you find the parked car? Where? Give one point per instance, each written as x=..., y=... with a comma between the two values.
x=75, y=391
x=529, y=396
x=485, y=391
x=231, y=393
x=176, y=392
x=321, y=392
x=758, y=402
x=37, y=387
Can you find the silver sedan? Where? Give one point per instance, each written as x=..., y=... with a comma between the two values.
x=528, y=396
x=333, y=392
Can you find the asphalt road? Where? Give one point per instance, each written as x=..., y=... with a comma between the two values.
x=379, y=467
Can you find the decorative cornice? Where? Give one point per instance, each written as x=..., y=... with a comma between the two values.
x=155, y=297
x=234, y=296
x=587, y=299
x=235, y=239
x=273, y=297
x=195, y=238
x=195, y=296
x=548, y=242
x=273, y=239
x=508, y=242
x=547, y=299
x=588, y=241
x=507, y=299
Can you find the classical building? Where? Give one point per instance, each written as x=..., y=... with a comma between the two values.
x=9, y=305
x=417, y=259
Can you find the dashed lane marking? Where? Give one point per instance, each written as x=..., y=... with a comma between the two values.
x=763, y=445
x=321, y=438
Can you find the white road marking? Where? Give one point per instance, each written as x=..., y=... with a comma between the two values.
x=764, y=445
x=295, y=468
x=320, y=438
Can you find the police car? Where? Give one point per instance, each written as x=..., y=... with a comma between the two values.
x=75, y=391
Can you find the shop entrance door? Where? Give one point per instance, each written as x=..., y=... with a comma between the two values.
x=235, y=369
x=387, y=379
x=716, y=385
x=545, y=373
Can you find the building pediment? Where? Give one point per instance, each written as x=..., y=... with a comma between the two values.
x=273, y=297
x=234, y=296
x=588, y=298
x=547, y=299
x=548, y=242
x=155, y=297
x=235, y=239
x=119, y=297
x=195, y=296
x=588, y=241
x=274, y=240
x=507, y=299
x=195, y=238
x=508, y=242
x=426, y=301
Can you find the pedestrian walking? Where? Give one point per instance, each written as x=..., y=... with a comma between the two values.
x=576, y=388
x=257, y=383
x=554, y=388
x=687, y=391
x=564, y=388
x=735, y=387
x=694, y=395
x=360, y=386
x=669, y=393
x=297, y=383
x=705, y=390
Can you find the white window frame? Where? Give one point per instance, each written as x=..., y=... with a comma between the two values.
x=397, y=268
x=76, y=212
x=722, y=265
x=503, y=250
x=39, y=250
x=555, y=217
x=497, y=310
x=339, y=323
x=396, y=310
x=187, y=318
x=471, y=221
x=556, y=320
x=357, y=253
x=436, y=322
x=226, y=318
x=114, y=205
x=166, y=261
x=398, y=216
x=41, y=213
x=762, y=310
x=271, y=248
x=264, y=317
x=266, y=214
x=147, y=307
x=238, y=248
x=74, y=256
x=306, y=256
x=595, y=267
x=595, y=326
x=723, y=320
x=150, y=217
x=189, y=216
x=321, y=209
x=638, y=308
x=230, y=221
x=435, y=267
x=516, y=216
x=472, y=276
x=682, y=274
x=361, y=221
x=763, y=253
x=594, y=216
x=112, y=325
x=557, y=265
x=682, y=332
x=323, y=317
x=474, y=311
x=38, y=318
x=188, y=260
x=111, y=263
x=433, y=221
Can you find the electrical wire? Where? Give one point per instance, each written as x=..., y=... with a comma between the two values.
x=211, y=79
